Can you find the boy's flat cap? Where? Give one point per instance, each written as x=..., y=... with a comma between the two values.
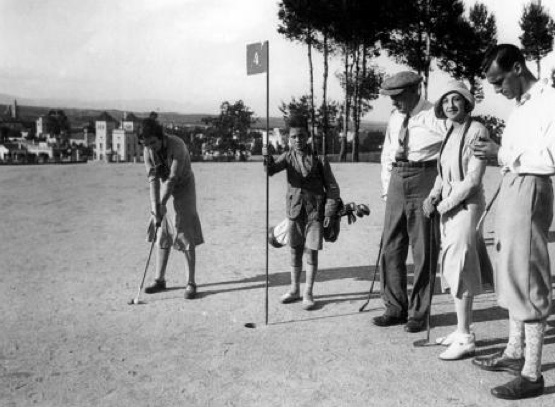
x=393, y=85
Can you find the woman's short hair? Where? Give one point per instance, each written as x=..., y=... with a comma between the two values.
x=151, y=128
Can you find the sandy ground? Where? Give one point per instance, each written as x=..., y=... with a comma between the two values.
x=73, y=251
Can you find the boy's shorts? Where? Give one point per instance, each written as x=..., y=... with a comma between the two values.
x=305, y=232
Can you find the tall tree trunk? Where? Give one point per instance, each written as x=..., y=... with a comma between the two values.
x=325, y=96
x=427, y=52
x=311, y=69
x=356, y=103
x=343, y=140
x=538, y=63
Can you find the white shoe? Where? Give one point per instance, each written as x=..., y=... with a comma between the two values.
x=447, y=340
x=289, y=297
x=463, y=345
x=308, y=302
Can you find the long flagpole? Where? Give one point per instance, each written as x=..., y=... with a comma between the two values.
x=267, y=175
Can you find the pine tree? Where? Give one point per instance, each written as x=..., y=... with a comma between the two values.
x=538, y=30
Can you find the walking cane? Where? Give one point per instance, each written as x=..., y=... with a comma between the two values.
x=374, y=277
x=426, y=342
x=488, y=207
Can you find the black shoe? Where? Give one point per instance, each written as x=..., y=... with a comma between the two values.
x=499, y=363
x=519, y=388
x=389, y=320
x=157, y=287
x=190, y=291
x=415, y=325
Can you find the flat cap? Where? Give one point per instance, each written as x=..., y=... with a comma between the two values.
x=395, y=84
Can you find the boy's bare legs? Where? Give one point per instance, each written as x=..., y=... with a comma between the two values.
x=296, y=267
x=311, y=270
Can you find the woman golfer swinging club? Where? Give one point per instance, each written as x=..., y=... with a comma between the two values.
x=168, y=168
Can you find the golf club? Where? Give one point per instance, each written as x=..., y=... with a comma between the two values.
x=362, y=210
x=374, y=277
x=426, y=342
x=136, y=301
x=488, y=207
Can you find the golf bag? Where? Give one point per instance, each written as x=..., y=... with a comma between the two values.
x=334, y=211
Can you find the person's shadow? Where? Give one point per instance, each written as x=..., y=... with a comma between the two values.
x=360, y=273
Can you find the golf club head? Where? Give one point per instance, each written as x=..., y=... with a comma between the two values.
x=135, y=301
x=362, y=210
x=350, y=207
x=423, y=343
x=361, y=309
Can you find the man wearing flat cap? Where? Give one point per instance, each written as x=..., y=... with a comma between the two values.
x=409, y=168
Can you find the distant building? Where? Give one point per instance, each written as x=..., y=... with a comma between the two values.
x=104, y=125
x=118, y=142
x=42, y=151
x=278, y=138
x=14, y=152
x=42, y=126
x=11, y=122
x=82, y=137
x=125, y=140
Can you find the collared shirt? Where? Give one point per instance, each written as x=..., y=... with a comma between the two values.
x=425, y=134
x=528, y=142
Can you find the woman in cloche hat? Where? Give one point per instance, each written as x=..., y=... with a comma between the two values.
x=458, y=196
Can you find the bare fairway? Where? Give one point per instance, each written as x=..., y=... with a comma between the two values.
x=72, y=254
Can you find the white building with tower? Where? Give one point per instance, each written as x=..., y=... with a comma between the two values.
x=125, y=140
x=105, y=125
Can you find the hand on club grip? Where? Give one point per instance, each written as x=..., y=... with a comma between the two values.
x=159, y=214
x=429, y=205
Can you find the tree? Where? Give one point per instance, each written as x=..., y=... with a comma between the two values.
x=58, y=124
x=352, y=28
x=233, y=122
x=538, y=30
x=364, y=85
x=424, y=34
x=494, y=125
x=468, y=43
x=297, y=113
x=355, y=28
x=296, y=26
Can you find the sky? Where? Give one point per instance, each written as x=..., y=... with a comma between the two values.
x=182, y=55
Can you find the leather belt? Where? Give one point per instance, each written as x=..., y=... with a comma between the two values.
x=415, y=164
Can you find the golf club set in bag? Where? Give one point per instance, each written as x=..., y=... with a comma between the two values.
x=277, y=235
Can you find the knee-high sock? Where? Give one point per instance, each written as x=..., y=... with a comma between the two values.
x=534, y=332
x=296, y=268
x=162, y=256
x=311, y=270
x=515, y=346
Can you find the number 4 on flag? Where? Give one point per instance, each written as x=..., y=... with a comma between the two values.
x=257, y=58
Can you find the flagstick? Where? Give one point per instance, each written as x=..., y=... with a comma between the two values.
x=267, y=173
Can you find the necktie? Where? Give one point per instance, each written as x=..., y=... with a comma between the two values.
x=404, y=138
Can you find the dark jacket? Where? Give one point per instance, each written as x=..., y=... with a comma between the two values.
x=310, y=183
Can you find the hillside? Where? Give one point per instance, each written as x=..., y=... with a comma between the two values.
x=82, y=116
